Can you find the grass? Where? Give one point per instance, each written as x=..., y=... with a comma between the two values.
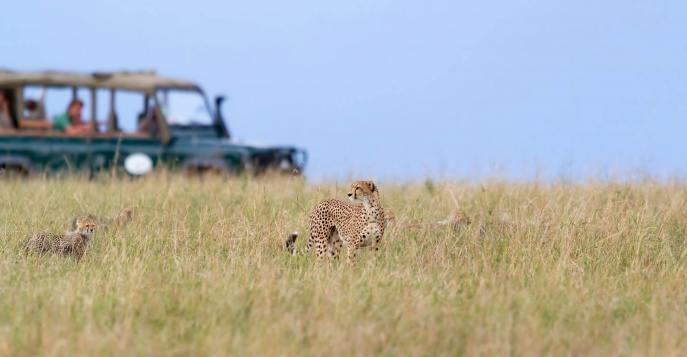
x=543, y=269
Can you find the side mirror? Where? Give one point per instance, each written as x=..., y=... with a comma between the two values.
x=218, y=101
x=222, y=127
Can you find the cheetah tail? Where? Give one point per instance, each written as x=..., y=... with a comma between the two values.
x=75, y=221
x=291, y=242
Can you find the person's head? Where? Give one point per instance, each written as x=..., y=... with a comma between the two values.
x=152, y=113
x=3, y=97
x=74, y=109
x=31, y=104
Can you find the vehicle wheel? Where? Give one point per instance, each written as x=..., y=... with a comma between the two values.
x=204, y=171
x=13, y=171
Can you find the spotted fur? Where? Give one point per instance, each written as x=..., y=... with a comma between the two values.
x=334, y=223
x=69, y=244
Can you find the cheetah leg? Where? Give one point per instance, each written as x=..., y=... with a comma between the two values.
x=79, y=253
x=308, y=246
x=334, y=244
x=375, y=244
x=337, y=249
x=352, y=248
x=321, y=250
x=318, y=236
x=375, y=235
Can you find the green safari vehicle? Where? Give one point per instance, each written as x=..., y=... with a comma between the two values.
x=138, y=121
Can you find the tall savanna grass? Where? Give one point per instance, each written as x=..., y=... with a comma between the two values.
x=542, y=269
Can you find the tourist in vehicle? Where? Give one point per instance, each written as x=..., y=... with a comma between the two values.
x=70, y=122
x=148, y=124
x=35, y=108
x=35, y=117
x=5, y=116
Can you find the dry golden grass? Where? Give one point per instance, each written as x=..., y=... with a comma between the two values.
x=594, y=269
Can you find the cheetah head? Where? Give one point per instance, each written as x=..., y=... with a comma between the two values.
x=125, y=215
x=85, y=226
x=362, y=190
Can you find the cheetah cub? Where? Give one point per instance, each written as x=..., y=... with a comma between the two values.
x=334, y=222
x=71, y=243
x=104, y=223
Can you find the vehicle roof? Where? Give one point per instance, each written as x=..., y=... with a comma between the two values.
x=144, y=81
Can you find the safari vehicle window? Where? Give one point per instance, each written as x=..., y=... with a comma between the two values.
x=102, y=108
x=53, y=100
x=130, y=109
x=46, y=103
x=34, y=103
x=184, y=107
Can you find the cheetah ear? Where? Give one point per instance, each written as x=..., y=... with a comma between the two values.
x=372, y=185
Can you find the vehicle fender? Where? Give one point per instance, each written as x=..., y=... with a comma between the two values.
x=300, y=158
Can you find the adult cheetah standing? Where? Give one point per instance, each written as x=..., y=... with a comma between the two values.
x=334, y=222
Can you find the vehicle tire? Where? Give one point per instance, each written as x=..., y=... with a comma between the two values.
x=207, y=171
x=13, y=171
x=207, y=167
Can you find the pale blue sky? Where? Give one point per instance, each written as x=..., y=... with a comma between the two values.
x=403, y=89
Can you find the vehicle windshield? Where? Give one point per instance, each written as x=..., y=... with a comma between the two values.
x=184, y=107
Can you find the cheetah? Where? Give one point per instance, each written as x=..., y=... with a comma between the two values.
x=334, y=222
x=457, y=220
x=116, y=221
x=71, y=243
x=389, y=219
